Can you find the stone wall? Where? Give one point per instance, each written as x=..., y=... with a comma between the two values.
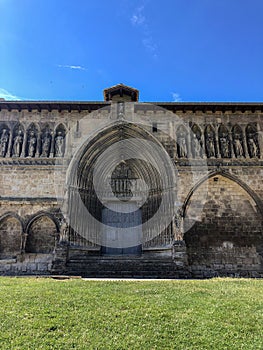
x=227, y=236
x=217, y=153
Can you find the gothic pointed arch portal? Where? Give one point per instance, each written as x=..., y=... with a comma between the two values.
x=121, y=191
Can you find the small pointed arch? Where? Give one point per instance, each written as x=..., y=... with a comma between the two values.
x=39, y=215
x=62, y=127
x=224, y=141
x=196, y=130
x=18, y=139
x=42, y=230
x=11, y=214
x=252, y=141
x=251, y=193
x=237, y=130
x=60, y=140
x=4, y=126
x=4, y=139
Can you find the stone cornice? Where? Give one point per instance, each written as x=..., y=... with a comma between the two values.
x=91, y=106
x=203, y=107
x=52, y=105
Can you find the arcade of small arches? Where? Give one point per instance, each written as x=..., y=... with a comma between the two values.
x=33, y=141
x=37, y=234
x=219, y=142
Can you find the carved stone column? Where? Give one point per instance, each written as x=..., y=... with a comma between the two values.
x=9, y=148
x=232, y=153
x=260, y=141
x=38, y=145
x=66, y=143
x=23, y=153
x=189, y=146
x=202, y=140
x=51, y=154
x=244, y=140
x=217, y=148
x=23, y=242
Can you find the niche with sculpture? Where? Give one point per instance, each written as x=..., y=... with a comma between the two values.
x=224, y=142
x=18, y=138
x=4, y=140
x=237, y=136
x=210, y=142
x=59, y=141
x=196, y=142
x=252, y=141
x=31, y=144
x=46, y=139
x=181, y=142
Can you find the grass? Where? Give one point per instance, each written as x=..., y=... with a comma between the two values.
x=217, y=314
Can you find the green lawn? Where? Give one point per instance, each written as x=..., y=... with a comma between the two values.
x=180, y=314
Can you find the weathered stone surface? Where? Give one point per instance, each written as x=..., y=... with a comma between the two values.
x=217, y=156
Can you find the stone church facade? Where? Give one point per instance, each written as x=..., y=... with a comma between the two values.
x=121, y=188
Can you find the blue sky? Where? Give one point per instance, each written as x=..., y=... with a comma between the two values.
x=189, y=50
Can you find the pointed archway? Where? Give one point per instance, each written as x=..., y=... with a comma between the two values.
x=226, y=235
x=129, y=159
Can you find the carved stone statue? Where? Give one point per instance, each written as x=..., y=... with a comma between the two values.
x=64, y=231
x=46, y=142
x=59, y=143
x=252, y=147
x=224, y=146
x=210, y=145
x=238, y=148
x=4, y=143
x=196, y=147
x=182, y=149
x=32, y=142
x=17, y=146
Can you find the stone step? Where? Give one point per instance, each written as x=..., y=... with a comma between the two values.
x=123, y=267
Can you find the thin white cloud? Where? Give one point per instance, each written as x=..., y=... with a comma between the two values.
x=71, y=66
x=139, y=20
x=137, y=17
x=4, y=94
x=149, y=44
x=176, y=97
